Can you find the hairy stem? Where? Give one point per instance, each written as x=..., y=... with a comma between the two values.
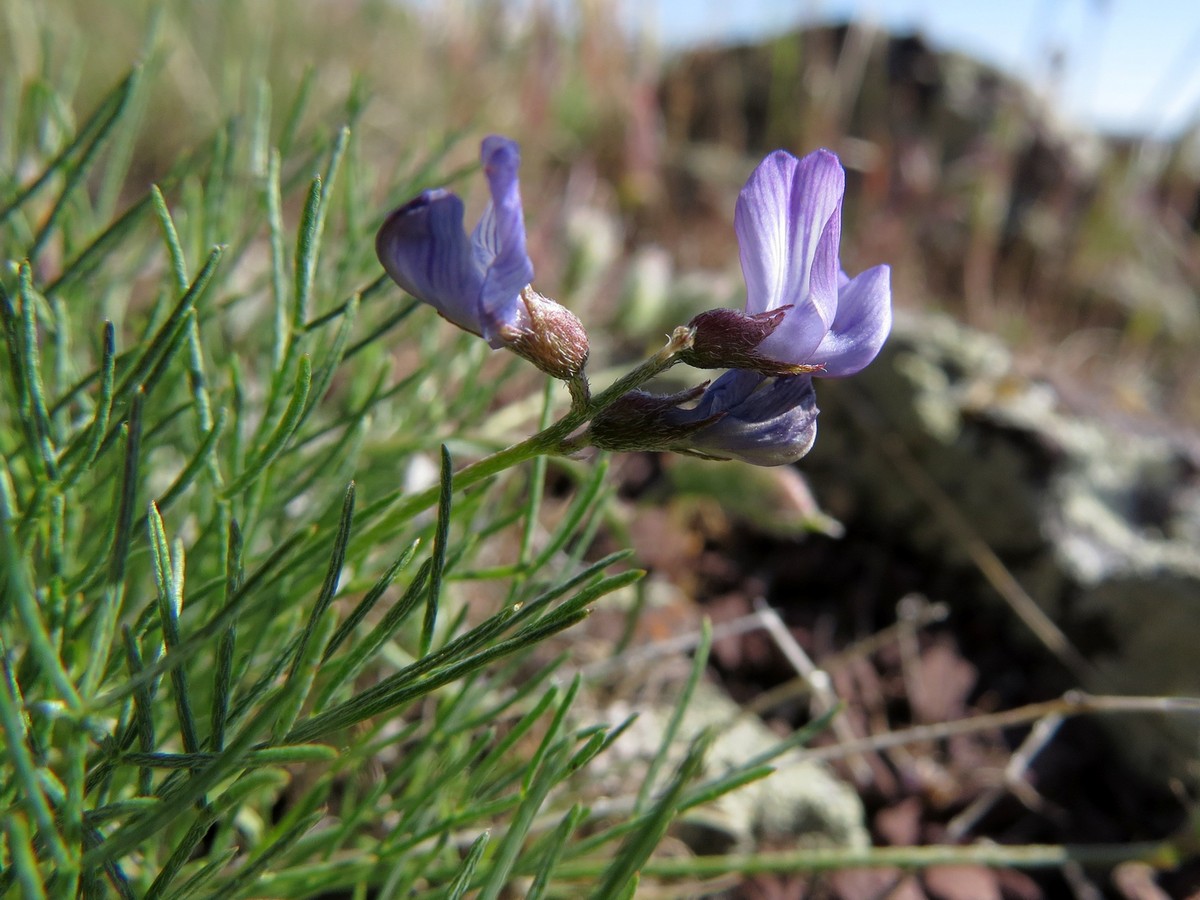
x=555, y=440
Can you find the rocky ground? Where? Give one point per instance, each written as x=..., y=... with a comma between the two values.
x=979, y=546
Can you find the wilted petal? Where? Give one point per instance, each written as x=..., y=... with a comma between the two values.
x=500, y=237
x=548, y=335
x=862, y=324
x=424, y=248
x=765, y=422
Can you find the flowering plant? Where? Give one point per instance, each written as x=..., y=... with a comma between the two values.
x=804, y=316
x=482, y=283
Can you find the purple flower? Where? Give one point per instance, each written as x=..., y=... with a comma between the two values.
x=742, y=415
x=803, y=313
x=759, y=420
x=804, y=317
x=481, y=283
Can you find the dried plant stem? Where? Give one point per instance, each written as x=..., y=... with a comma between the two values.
x=1072, y=703
x=1014, y=782
x=824, y=699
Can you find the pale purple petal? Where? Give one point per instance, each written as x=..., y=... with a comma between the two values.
x=798, y=336
x=788, y=226
x=499, y=237
x=424, y=248
x=862, y=324
x=766, y=422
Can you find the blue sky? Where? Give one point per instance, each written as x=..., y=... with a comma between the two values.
x=1129, y=65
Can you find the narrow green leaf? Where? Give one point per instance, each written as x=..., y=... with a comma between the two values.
x=640, y=844
x=386, y=325
x=143, y=707
x=282, y=433
x=282, y=331
x=223, y=684
x=438, y=778
x=126, y=139
x=95, y=253
x=118, y=809
x=246, y=880
x=14, y=341
x=554, y=850
x=85, y=453
x=709, y=791
x=23, y=859
x=180, y=799
x=440, y=536
x=77, y=172
x=170, y=236
x=203, y=456
x=481, y=771
x=533, y=608
x=699, y=664
x=217, y=623
x=108, y=612
x=127, y=496
x=609, y=737
x=552, y=732
x=462, y=879
x=100, y=119
x=307, y=663
x=579, y=603
x=17, y=588
x=293, y=754
x=359, y=709
x=453, y=652
x=168, y=576
x=34, y=404
x=549, y=773
x=346, y=628
x=169, y=334
x=199, y=384
x=182, y=853
x=581, y=506
x=323, y=377
x=537, y=479
x=308, y=242
x=524, y=687
x=207, y=873
x=338, y=311
x=25, y=768
x=291, y=123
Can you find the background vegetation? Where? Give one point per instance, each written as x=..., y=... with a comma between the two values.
x=255, y=642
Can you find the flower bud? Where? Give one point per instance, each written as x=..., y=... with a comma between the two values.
x=548, y=335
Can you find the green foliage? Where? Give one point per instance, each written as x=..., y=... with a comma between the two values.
x=231, y=474
x=215, y=680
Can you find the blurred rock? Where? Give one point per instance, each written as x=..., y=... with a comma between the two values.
x=801, y=803
x=776, y=501
x=942, y=444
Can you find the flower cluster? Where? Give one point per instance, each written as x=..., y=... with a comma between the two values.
x=804, y=316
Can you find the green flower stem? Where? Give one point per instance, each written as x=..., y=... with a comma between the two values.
x=1159, y=855
x=553, y=441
